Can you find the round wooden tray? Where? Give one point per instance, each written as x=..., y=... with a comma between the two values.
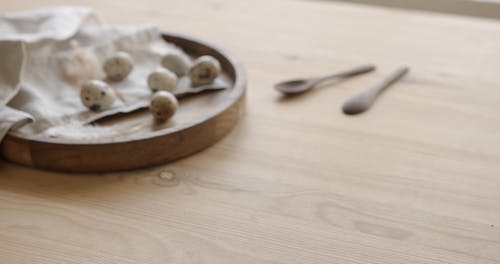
x=135, y=141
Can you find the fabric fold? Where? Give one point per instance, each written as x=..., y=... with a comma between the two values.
x=48, y=53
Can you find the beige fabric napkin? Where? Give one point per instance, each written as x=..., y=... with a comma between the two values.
x=47, y=54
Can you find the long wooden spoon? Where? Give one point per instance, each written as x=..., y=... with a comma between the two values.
x=363, y=101
x=297, y=86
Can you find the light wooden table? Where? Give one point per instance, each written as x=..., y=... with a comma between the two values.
x=477, y=8
x=415, y=180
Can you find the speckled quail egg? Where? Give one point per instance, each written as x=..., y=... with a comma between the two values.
x=204, y=70
x=163, y=105
x=97, y=95
x=176, y=62
x=118, y=66
x=162, y=79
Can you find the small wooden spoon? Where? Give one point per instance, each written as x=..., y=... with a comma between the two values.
x=363, y=101
x=297, y=86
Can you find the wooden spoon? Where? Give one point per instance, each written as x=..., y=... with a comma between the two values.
x=297, y=86
x=363, y=101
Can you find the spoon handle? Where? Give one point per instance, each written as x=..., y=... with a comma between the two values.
x=362, y=101
x=349, y=73
x=394, y=77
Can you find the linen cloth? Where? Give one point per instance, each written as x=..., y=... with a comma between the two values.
x=47, y=54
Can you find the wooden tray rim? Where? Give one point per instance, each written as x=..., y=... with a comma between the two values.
x=238, y=88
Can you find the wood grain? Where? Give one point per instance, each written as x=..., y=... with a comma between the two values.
x=414, y=180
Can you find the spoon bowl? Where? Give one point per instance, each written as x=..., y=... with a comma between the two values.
x=364, y=100
x=294, y=86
